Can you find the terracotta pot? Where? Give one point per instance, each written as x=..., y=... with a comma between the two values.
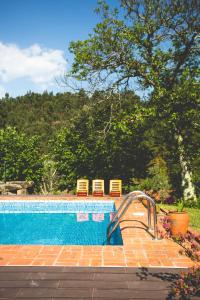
x=179, y=222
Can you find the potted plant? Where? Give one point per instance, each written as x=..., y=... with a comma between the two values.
x=179, y=220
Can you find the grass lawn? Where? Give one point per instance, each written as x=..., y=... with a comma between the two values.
x=194, y=215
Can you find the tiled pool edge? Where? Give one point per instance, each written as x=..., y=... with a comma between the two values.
x=138, y=249
x=56, y=206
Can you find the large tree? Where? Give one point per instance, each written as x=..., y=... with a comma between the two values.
x=152, y=44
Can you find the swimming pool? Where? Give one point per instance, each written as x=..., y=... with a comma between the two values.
x=56, y=223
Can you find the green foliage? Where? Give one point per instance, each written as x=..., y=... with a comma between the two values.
x=150, y=41
x=41, y=114
x=188, y=284
x=111, y=135
x=102, y=136
x=156, y=45
x=88, y=148
x=49, y=176
x=157, y=180
x=180, y=205
x=19, y=157
x=193, y=204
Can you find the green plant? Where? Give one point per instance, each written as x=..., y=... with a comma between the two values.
x=20, y=158
x=157, y=183
x=127, y=46
x=180, y=205
x=97, y=146
x=188, y=284
x=193, y=204
x=49, y=177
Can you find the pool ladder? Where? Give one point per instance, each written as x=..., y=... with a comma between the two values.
x=128, y=199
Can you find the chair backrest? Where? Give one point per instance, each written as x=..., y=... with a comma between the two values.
x=98, y=186
x=115, y=187
x=82, y=186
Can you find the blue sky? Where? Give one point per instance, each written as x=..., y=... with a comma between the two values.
x=34, y=40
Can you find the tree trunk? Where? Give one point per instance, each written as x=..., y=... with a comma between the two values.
x=187, y=184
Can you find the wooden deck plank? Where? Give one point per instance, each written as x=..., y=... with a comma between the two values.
x=93, y=284
x=24, y=293
x=85, y=283
x=55, y=269
x=130, y=294
x=59, y=276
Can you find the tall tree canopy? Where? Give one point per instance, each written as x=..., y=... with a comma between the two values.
x=151, y=41
x=154, y=44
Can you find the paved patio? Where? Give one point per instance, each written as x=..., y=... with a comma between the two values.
x=139, y=248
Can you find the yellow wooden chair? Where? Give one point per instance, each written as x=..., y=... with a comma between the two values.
x=82, y=187
x=115, y=189
x=98, y=187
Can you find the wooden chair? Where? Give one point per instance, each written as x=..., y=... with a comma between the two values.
x=115, y=189
x=82, y=187
x=98, y=187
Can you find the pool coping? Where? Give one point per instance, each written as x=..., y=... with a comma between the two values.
x=139, y=248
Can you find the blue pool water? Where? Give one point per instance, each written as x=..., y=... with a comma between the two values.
x=56, y=223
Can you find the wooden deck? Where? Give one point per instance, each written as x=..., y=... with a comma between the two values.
x=86, y=283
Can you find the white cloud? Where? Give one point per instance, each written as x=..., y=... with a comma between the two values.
x=40, y=65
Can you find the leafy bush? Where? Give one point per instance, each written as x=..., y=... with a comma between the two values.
x=193, y=204
x=189, y=284
x=19, y=157
x=49, y=176
x=157, y=183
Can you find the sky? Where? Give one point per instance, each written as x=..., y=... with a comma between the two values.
x=34, y=41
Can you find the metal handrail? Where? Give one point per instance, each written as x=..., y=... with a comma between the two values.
x=121, y=205
x=132, y=198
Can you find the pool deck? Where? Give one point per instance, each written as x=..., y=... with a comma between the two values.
x=139, y=248
x=87, y=283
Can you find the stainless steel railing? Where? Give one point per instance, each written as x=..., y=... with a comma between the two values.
x=128, y=199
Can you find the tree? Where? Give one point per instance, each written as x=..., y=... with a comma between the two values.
x=154, y=44
x=40, y=114
x=88, y=148
x=19, y=157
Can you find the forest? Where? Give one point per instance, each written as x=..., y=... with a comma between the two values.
x=55, y=139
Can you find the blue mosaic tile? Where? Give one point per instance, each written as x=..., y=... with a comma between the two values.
x=56, y=206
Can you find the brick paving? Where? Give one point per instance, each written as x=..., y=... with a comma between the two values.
x=139, y=248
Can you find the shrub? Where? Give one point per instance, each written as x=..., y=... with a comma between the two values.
x=19, y=157
x=189, y=284
x=49, y=176
x=157, y=183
